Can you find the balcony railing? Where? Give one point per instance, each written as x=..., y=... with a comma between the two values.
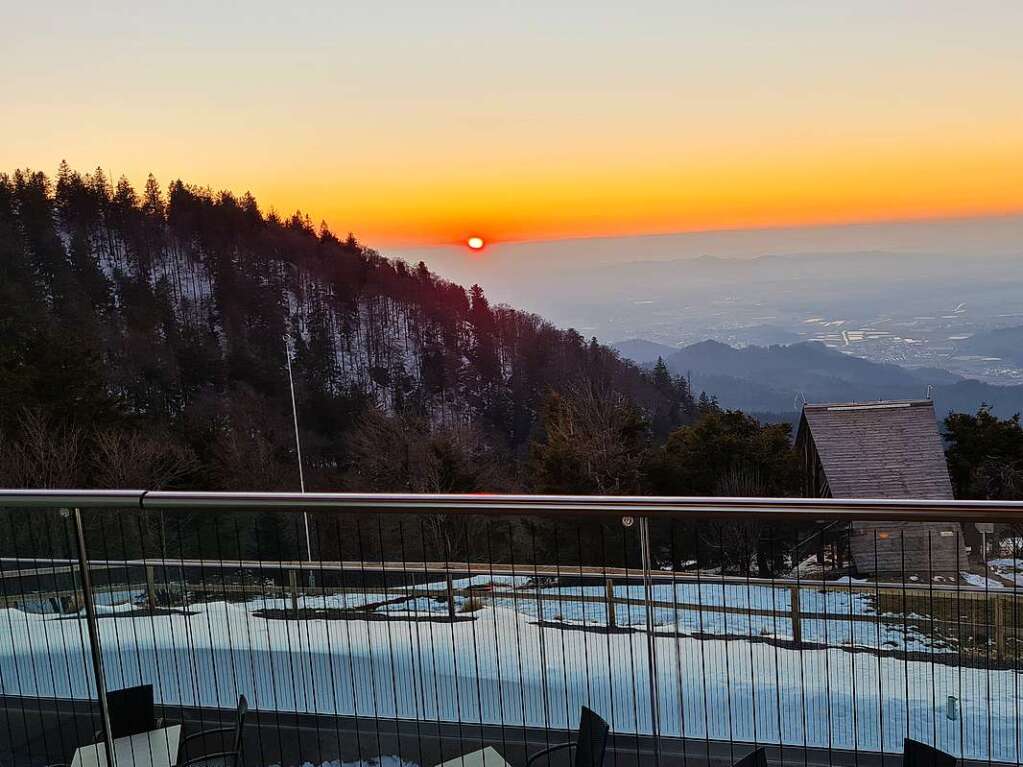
x=424, y=627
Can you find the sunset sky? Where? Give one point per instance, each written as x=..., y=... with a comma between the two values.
x=422, y=123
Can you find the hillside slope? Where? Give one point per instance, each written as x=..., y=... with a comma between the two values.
x=172, y=316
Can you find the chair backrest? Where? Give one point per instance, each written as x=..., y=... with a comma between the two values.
x=757, y=758
x=592, y=740
x=917, y=754
x=239, y=727
x=131, y=711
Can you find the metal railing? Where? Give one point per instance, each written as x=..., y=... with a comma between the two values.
x=426, y=626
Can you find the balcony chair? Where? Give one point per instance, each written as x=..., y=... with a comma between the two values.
x=131, y=712
x=757, y=758
x=590, y=744
x=228, y=758
x=916, y=754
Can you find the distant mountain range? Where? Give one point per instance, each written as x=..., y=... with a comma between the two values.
x=778, y=378
x=1006, y=343
x=644, y=352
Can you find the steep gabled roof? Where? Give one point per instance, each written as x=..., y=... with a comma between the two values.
x=878, y=449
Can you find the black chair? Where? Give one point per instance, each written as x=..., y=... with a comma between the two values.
x=131, y=712
x=223, y=758
x=917, y=754
x=757, y=758
x=590, y=743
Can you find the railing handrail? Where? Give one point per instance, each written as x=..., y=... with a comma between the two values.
x=865, y=509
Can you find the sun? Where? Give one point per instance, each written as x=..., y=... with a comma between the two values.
x=475, y=243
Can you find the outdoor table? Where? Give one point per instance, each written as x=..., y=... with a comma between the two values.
x=156, y=748
x=486, y=757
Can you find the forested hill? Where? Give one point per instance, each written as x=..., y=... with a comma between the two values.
x=143, y=337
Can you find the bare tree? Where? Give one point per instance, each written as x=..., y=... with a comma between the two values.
x=594, y=442
x=739, y=544
x=407, y=454
x=41, y=453
x=135, y=460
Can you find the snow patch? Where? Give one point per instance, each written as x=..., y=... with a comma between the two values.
x=980, y=581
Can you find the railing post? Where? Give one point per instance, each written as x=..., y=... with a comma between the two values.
x=94, y=640
x=609, y=590
x=797, y=629
x=648, y=592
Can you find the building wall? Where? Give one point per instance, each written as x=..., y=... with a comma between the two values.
x=924, y=549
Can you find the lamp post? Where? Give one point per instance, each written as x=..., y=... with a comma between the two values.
x=298, y=446
x=298, y=439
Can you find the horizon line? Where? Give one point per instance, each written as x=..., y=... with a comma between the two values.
x=836, y=224
x=839, y=223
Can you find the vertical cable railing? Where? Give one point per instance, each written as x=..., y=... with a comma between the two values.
x=430, y=627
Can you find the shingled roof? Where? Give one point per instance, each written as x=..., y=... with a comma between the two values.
x=878, y=449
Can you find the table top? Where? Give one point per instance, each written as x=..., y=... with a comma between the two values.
x=156, y=748
x=486, y=757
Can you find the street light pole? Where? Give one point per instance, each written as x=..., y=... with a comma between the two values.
x=298, y=446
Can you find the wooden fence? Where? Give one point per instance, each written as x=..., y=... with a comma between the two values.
x=976, y=619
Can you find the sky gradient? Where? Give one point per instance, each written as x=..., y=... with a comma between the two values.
x=422, y=123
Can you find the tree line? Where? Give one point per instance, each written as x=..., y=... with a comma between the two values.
x=158, y=327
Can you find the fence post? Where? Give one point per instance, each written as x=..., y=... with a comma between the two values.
x=999, y=627
x=293, y=588
x=797, y=629
x=539, y=605
x=451, y=595
x=609, y=589
x=151, y=587
x=94, y=640
x=648, y=592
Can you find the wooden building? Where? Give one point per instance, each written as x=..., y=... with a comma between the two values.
x=883, y=450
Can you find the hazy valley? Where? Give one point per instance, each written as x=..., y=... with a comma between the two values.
x=833, y=313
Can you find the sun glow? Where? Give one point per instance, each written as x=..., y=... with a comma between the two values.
x=579, y=143
x=475, y=243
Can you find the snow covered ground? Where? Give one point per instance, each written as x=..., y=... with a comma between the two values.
x=502, y=667
x=981, y=581
x=1009, y=568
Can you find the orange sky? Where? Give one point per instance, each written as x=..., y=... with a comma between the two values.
x=421, y=124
